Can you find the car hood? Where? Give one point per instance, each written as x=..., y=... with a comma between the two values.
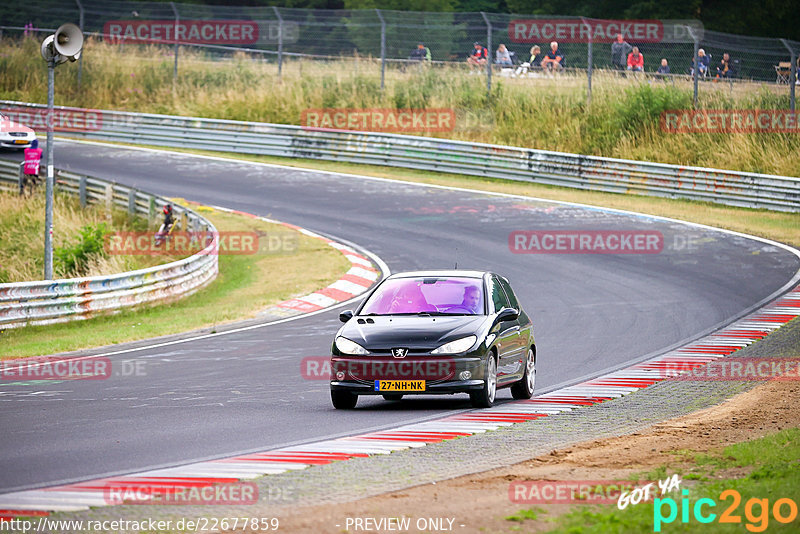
x=412, y=332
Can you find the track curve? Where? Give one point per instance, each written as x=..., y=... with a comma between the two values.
x=243, y=391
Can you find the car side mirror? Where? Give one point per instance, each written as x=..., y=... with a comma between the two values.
x=346, y=316
x=507, y=314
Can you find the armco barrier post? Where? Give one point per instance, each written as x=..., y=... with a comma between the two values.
x=109, y=196
x=22, y=178
x=82, y=190
x=132, y=202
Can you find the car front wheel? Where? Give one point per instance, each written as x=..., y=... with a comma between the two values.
x=343, y=400
x=485, y=397
x=524, y=388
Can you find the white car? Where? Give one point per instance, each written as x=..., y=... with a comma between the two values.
x=14, y=135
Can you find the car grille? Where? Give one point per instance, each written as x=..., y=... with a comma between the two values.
x=18, y=134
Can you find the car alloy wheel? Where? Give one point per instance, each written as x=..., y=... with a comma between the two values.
x=485, y=397
x=524, y=388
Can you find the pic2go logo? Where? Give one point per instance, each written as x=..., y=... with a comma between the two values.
x=757, y=511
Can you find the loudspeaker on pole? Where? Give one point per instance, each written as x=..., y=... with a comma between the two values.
x=65, y=44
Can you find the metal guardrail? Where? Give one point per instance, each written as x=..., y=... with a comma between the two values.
x=54, y=301
x=425, y=153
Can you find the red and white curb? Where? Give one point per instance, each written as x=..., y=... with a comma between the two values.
x=82, y=495
x=358, y=279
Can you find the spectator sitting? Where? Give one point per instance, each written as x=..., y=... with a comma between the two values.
x=502, y=57
x=478, y=56
x=554, y=59
x=420, y=53
x=619, y=51
x=534, y=62
x=725, y=67
x=704, y=61
x=635, y=60
x=664, y=67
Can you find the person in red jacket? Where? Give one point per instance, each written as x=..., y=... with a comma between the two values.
x=636, y=60
x=33, y=156
x=478, y=56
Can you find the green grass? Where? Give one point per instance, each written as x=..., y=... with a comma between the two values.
x=530, y=514
x=245, y=285
x=771, y=467
x=22, y=238
x=622, y=121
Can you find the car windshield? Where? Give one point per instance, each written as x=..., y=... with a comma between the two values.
x=427, y=296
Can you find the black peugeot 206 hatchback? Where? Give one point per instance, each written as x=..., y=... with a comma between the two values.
x=435, y=332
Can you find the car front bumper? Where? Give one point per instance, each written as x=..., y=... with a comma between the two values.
x=440, y=388
x=12, y=143
x=440, y=373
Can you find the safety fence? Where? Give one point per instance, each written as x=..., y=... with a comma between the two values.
x=425, y=153
x=54, y=301
x=284, y=35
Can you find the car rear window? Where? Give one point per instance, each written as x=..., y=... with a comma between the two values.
x=435, y=295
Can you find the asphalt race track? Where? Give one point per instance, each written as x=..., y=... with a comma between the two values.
x=244, y=392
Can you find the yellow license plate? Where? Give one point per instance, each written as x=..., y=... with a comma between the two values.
x=21, y=141
x=399, y=385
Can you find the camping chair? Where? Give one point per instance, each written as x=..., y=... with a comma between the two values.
x=783, y=71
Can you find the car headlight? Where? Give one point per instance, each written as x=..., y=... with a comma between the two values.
x=454, y=347
x=346, y=346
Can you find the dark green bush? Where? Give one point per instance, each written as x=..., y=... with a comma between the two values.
x=73, y=258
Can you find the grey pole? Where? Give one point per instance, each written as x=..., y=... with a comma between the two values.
x=48, y=213
x=383, y=46
x=589, y=61
x=80, y=59
x=280, y=40
x=695, y=69
x=177, y=45
x=793, y=75
x=489, y=54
